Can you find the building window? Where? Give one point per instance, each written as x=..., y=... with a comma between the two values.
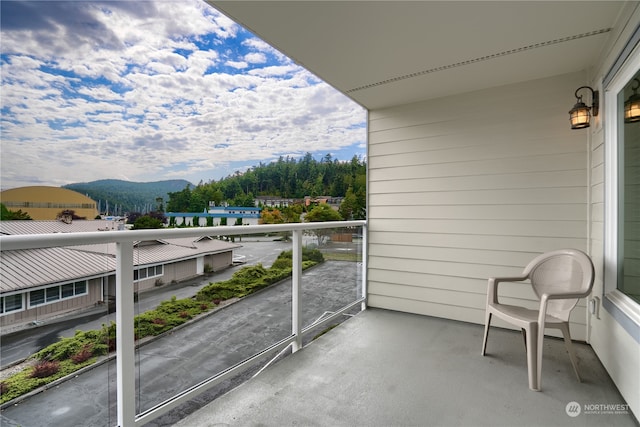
x=52, y=294
x=147, y=273
x=628, y=280
x=80, y=288
x=67, y=290
x=36, y=297
x=11, y=303
x=622, y=198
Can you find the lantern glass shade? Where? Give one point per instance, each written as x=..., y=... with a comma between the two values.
x=632, y=109
x=580, y=115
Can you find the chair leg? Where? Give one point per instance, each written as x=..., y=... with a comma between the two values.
x=533, y=364
x=539, y=347
x=524, y=337
x=572, y=355
x=487, y=323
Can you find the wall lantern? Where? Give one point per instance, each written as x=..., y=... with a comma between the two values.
x=580, y=114
x=632, y=105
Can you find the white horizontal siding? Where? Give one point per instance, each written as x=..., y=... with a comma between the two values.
x=473, y=186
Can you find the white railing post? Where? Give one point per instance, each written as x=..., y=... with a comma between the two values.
x=296, y=276
x=125, y=345
x=364, y=267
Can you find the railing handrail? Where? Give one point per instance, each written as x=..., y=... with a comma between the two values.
x=35, y=241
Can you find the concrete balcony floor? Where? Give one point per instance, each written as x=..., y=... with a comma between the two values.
x=386, y=368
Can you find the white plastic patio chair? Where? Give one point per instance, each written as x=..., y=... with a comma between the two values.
x=559, y=279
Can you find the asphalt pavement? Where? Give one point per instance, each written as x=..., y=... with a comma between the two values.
x=191, y=354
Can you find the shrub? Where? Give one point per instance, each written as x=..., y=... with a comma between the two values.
x=308, y=254
x=282, y=263
x=83, y=355
x=23, y=382
x=45, y=369
x=98, y=340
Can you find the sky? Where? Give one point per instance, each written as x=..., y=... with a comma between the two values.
x=154, y=90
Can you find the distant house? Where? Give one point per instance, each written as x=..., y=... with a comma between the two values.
x=334, y=202
x=273, y=201
x=44, y=283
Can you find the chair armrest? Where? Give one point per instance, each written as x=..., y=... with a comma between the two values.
x=566, y=295
x=492, y=287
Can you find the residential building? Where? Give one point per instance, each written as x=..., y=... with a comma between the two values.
x=273, y=201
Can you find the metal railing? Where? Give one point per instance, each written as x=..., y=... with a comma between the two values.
x=125, y=344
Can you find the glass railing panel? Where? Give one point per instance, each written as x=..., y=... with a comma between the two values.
x=173, y=362
x=336, y=282
x=47, y=339
x=222, y=337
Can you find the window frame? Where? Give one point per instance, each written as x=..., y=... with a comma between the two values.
x=3, y=304
x=150, y=272
x=80, y=288
x=623, y=308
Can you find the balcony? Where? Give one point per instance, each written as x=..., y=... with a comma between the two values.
x=379, y=367
x=387, y=368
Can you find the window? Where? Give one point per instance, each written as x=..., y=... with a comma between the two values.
x=80, y=288
x=622, y=198
x=147, y=272
x=58, y=292
x=36, y=297
x=10, y=303
x=53, y=294
x=67, y=290
x=628, y=280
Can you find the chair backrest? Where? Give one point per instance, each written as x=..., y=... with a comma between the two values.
x=561, y=271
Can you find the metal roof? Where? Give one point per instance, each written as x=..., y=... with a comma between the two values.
x=47, y=227
x=24, y=269
x=37, y=267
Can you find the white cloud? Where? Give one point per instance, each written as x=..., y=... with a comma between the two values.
x=255, y=58
x=138, y=93
x=240, y=65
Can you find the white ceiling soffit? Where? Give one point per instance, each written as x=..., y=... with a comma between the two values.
x=385, y=53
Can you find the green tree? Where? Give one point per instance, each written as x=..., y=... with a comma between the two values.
x=180, y=201
x=349, y=206
x=322, y=213
x=7, y=215
x=146, y=222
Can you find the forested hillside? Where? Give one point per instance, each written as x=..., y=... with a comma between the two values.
x=287, y=178
x=120, y=197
